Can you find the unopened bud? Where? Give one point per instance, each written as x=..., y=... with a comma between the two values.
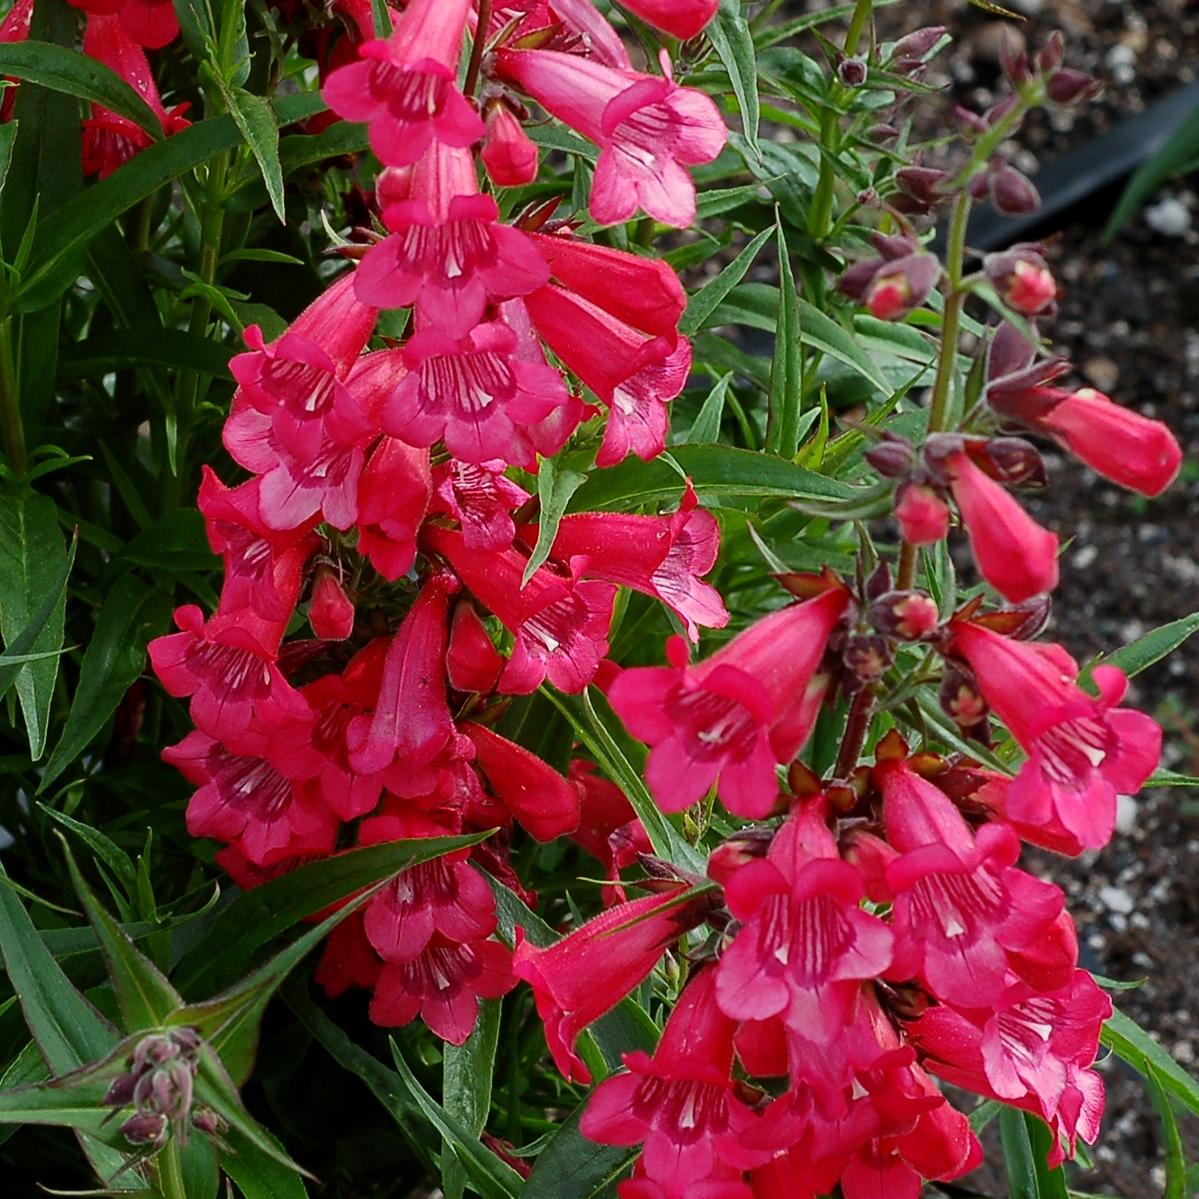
x=1012, y=57
x=745, y=846
x=1012, y=192
x=210, y=1123
x=892, y=457
x=910, y=615
x=852, y=72
x=1014, y=461
x=1069, y=87
x=868, y=657
x=120, y=1093
x=1052, y=53
x=1023, y=280
x=922, y=513
x=145, y=1128
x=961, y=699
x=331, y=612
x=921, y=183
x=919, y=42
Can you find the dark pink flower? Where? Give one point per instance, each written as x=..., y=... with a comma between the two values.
x=962, y=912
x=1082, y=750
x=680, y=18
x=571, y=25
x=681, y=1104
x=404, y=86
x=729, y=719
x=648, y=130
x=482, y=499
x=449, y=255
x=560, y=624
x=330, y=610
x=475, y=394
x=1023, y=279
x=662, y=556
x=922, y=514
x=148, y=23
x=1014, y=553
x=804, y=944
x=228, y=667
x=473, y=663
x=442, y=985
x=629, y=939
x=394, y=491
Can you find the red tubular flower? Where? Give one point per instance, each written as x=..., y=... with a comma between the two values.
x=449, y=255
x=560, y=624
x=509, y=154
x=732, y=717
x=681, y=1105
x=571, y=25
x=681, y=20
x=661, y=556
x=110, y=140
x=403, y=86
x=628, y=939
x=647, y=128
x=473, y=663
x=634, y=374
x=148, y=23
x=481, y=499
x=805, y=944
x=14, y=28
x=394, y=491
x=1082, y=750
x=1032, y=1050
x=411, y=722
x=1014, y=553
x=545, y=803
x=962, y=912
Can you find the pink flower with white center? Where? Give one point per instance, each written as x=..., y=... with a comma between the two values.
x=445, y=898
x=228, y=667
x=263, y=566
x=246, y=800
x=404, y=86
x=730, y=719
x=681, y=1104
x=411, y=722
x=394, y=491
x=634, y=374
x=629, y=939
x=804, y=944
x=298, y=380
x=1014, y=553
x=560, y=623
x=573, y=26
x=1031, y=1049
x=442, y=985
x=481, y=499
x=661, y=556
x=474, y=394
x=648, y=130
x=1082, y=750
x=962, y=913
x=536, y=795
x=449, y=255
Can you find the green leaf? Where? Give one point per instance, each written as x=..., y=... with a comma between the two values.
x=1169, y=778
x=823, y=333
x=555, y=486
x=705, y=301
x=1175, y=153
x=731, y=37
x=256, y=120
x=65, y=70
x=116, y=655
x=1131, y=1044
x=786, y=373
x=111, y=854
x=707, y=423
x=144, y=995
x=259, y=1175
x=34, y=564
x=572, y=1167
x=494, y=1177
x=167, y=350
x=718, y=472
x=1025, y=1146
x=467, y=1073
x=1176, y=1167
x=255, y=917
x=60, y=241
x=1155, y=645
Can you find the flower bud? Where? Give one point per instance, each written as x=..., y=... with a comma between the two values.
x=901, y=286
x=331, y=612
x=120, y=1093
x=1012, y=192
x=210, y=1123
x=1013, y=58
x=1068, y=87
x=509, y=154
x=919, y=42
x=961, y=699
x=1014, y=462
x=910, y=615
x=1052, y=53
x=919, y=188
x=145, y=1128
x=1022, y=278
x=852, y=72
x=892, y=457
x=867, y=658
x=922, y=514
x=743, y=847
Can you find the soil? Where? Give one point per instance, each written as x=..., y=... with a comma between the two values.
x=1127, y=321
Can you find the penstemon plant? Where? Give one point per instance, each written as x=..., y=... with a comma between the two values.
x=581, y=720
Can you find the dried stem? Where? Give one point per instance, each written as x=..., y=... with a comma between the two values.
x=477, y=47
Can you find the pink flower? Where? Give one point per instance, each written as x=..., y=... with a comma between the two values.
x=628, y=939
x=922, y=514
x=804, y=944
x=481, y=498
x=647, y=128
x=475, y=394
x=732, y=717
x=404, y=85
x=228, y=667
x=509, y=154
x=661, y=556
x=560, y=624
x=442, y=985
x=394, y=491
x=148, y=23
x=1082, y=750
x=448, y=254
x=411, y=721
x=1032, y=1050
x=680, y=18
x=680, y=1105
x=570, y=25
x=473, y=663
x=962, y=913
x=1014, y=554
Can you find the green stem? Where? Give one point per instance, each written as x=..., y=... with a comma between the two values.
x=857, y=25
x=10, y=403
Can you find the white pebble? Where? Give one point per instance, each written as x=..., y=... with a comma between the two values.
x=1169, y=217
x=1126, y=814
x=1116, y=899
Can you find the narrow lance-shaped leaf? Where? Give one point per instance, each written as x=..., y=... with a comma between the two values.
x=555, y=486
x=730, y=35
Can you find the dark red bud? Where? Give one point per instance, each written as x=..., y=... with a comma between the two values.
x=868, y=657
x=208, y=1122
x=910, y=615
x=1068, y=87
x=1052, y=53
x=146, y=1128
x=961, y=699
x=892, y=458
x=1012, y=192
x=919, y=42
x=120, y=1093
x=1014, y=461
x=852, y=72
x=1013, y=59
